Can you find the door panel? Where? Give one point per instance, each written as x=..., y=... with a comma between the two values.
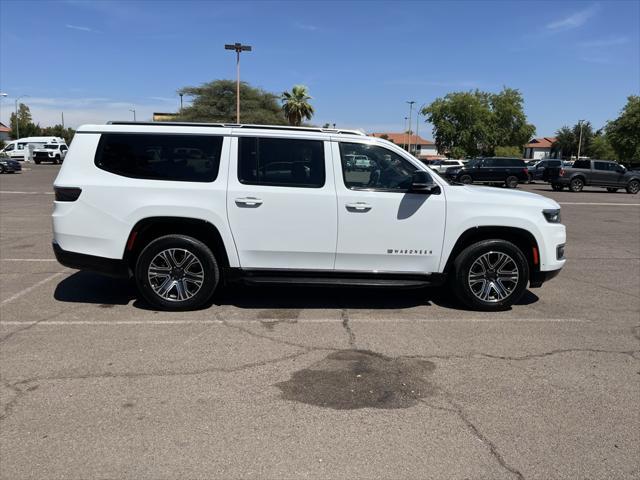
x=277, y=225
x=385, y=231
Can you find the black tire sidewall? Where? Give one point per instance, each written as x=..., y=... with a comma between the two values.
x=466, y=258
x=511, y=181
x=465, y=177
x=196, y=247
x=629, y=187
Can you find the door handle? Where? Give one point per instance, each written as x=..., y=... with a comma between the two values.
x=358, y=206
x=248, y=201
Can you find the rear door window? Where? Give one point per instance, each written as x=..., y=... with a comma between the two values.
x=600, y=166
x=281, y=162
x=182, y=158
x=582, y=164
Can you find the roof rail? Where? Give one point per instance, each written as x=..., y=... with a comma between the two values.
x=236, y=125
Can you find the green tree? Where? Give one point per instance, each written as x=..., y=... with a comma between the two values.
x=584, y=140
x=508, y=152
x=601, y=148
x=25, y=122
x=216, y=102
x=475, y=123
x=59, y=131
x=623, y=133
x=295, y=105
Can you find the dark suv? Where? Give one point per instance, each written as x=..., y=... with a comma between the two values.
x=507, y=171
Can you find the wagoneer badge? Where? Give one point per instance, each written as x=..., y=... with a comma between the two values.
x=392, y=251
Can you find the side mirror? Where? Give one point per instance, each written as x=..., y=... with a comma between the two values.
x=620, y=169
x=422, y=183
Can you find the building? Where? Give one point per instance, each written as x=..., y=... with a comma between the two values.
x=539, y=148
x=420, y=148
x=5, y=132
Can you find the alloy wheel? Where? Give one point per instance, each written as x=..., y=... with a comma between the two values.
x=493, y=277
x=175, y=274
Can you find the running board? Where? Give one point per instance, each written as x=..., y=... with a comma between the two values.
x=332, y=279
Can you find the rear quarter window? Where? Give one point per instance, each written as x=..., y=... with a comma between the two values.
x=582, y=164
x=174, y=157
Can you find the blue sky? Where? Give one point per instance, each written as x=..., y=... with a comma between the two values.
x=362, y=61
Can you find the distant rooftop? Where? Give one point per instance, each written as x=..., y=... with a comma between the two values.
x=403, y=138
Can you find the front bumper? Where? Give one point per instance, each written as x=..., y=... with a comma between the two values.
x=80, y=261
x=538, y=278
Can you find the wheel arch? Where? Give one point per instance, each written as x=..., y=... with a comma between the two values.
x=150, y=228
x=520, y=237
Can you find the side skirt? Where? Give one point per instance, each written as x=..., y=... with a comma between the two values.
x=332, y=278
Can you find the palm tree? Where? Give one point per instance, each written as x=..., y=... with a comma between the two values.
x=295, y=105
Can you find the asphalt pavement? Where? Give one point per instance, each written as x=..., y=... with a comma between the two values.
x=292, y=383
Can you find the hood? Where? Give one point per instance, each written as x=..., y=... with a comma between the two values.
x=506, y=196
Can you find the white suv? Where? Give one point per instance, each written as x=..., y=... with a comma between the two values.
x=186, y=208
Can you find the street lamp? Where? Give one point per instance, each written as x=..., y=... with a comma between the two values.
x=17, y=122
x=237, y=47
x=134, y=113
x=419, y=111
x=580, y=122
x=181, y=95
x=405, y=131
x=410, y=108
x=2, y=95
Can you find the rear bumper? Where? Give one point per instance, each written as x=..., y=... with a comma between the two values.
x=80, y=261
x=538, y=278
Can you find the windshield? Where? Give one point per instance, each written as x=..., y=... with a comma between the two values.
x=51, y=147
x=474, y=163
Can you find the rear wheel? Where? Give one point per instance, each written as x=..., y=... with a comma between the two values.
x=633, y=187
x=557, y=187
x=612, y=190
x=490, y=275
x=466, y=179
x=2, y=169
x=576, y=184
x=511, y=181
x=177, y=272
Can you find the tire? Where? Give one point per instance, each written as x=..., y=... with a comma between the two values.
x=498, y=296
x=466, y=179
x=576, y=184
x=57, y=160
x=633, y=187
x=529, y=178
x=557, y=187
x=2, y=169
x=167, y=254
x=612, y=190
x=511, y=181
x=37, y=162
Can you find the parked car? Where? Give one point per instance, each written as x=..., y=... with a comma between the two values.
x=537, y=171
x=492, y=170
x=50, y=152
x=441, y=166
x=595, y=173
x=7, y=165
x=182, y=230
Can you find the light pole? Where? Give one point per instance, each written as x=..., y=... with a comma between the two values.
x=410, y=109
x=405, y=132
x=418, y=124
x=17, y=122
x=237, y=47
x=134, y=113
x=181, y=95
x=580, y=122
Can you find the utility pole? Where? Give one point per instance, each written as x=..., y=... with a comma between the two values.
x=17, y=122
x=181, y=94
x=62, y=120
x=418, y=125
x=580, y=122
x=134, y=113
x=2, y=95
x=410, y=109
x=238, y=47
x=405, y=132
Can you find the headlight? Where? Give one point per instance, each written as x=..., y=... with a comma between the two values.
x=552, y=215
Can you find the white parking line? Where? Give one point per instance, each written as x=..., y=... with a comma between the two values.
x=31, y=288
x=604, y=204
x=314, y=320
x=27, y=193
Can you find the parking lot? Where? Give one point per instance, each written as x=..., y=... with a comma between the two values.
x=320, y=383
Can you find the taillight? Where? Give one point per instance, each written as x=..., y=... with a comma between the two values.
x=525, y=171
x=561, y=172
x=67, y=194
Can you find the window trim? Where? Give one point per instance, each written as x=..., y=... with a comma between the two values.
x=273, y=184
x=162, y=134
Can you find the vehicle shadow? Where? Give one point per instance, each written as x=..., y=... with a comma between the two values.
x=86, y=287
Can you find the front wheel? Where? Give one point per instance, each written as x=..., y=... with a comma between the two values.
x=557, y=187
x=177, y=272
x=576, y=185
x=57, y=160
x=633, y=187
x=511, y=182
x=37, y=162
x=490, y=275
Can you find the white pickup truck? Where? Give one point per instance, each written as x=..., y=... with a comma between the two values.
x=50, y=152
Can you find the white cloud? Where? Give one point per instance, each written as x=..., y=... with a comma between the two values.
x=575, y=20
x=78, y=27
x=604, y=42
